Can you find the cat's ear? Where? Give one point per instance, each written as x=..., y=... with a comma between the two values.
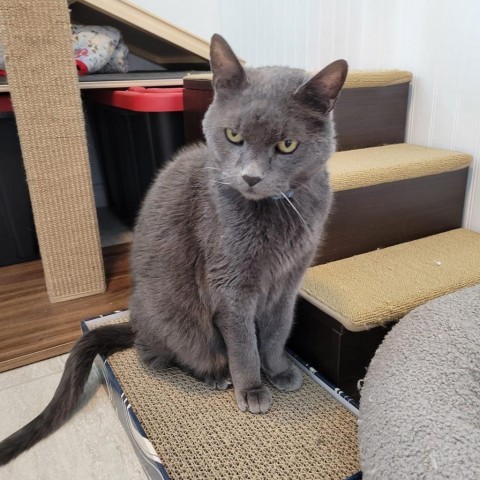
x=228, y=73
x=321, y=91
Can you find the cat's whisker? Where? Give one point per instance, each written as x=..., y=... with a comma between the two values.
x=281, y=209
x=295, y=209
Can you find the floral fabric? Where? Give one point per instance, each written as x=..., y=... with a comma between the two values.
x=99, y=49
x=95, y=48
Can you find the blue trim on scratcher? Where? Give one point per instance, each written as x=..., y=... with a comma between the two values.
x=357, y=476
x=327, y=382
x=149, y=459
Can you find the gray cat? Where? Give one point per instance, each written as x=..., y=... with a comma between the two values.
x=222, y=241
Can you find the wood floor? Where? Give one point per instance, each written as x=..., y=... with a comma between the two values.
x=33, y=329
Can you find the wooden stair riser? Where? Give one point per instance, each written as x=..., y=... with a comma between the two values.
x=379, y=216
x=364, y=117
x=367, y=117
x=338, y=354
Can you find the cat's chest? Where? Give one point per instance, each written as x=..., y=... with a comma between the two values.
x=257, y=245
x=266, y=248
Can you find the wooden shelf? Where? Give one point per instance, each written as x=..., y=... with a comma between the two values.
x=125, y=80
x=33, y=329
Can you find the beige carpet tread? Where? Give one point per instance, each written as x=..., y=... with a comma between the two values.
x=376, y=78
x=389, y=163
x=355, y=78
x=378, y=287
x=199, y=433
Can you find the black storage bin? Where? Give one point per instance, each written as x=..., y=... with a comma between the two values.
x=18, y=241
x=137, y=131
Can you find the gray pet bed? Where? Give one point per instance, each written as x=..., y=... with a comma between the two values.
x=420, y=404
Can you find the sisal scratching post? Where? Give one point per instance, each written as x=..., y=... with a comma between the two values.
x=48, y=110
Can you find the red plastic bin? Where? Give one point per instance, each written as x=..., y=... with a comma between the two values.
x=138, y=130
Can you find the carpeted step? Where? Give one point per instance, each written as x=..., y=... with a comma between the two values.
x=372, y=109
x=377, y=78
x=379, y=287
x=391, y=163
x=342, y=302
x=392, y=194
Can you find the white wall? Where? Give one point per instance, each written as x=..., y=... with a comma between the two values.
x=438, y=40
x=200, y=17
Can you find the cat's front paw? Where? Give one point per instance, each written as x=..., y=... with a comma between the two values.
x=255, y=400
x=289, y=380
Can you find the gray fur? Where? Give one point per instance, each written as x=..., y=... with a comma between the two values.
x=216, y=263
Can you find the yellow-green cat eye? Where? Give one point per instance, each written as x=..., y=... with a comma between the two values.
x=287, y=146
x=234, y=136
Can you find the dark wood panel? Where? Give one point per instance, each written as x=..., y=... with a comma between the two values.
x=364, y=117
x=338, y=354
x=372, y=116
x=196, y=103
x=33, y=329
x=197, y=84
x=379, y=216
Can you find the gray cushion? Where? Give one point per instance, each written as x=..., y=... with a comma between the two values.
x=420, y=404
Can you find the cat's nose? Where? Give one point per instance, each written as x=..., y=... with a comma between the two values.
x=252, y=180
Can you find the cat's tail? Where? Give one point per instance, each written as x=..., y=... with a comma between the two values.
x=104, y=340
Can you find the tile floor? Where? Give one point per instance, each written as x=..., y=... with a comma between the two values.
x=91, y=446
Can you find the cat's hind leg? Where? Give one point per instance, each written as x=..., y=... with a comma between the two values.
x=219, y=380
x=156, y=357
x=205, y=358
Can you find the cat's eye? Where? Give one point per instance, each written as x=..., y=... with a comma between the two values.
x=287, y=146
x=234, y=136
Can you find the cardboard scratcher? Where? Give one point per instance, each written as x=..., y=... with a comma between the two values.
x=183, y=430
